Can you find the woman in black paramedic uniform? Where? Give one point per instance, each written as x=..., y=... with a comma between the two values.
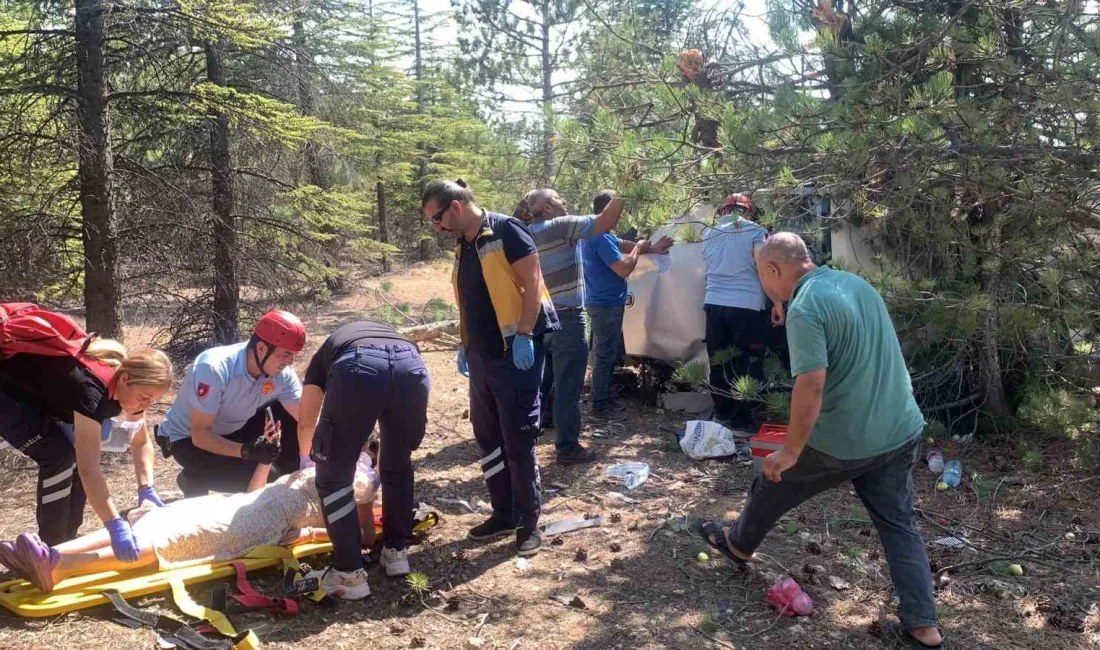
x=42, y=396
x=364, y=373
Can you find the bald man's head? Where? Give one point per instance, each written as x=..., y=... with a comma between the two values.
x=785, y=248
x=781, y=262
x=545, y=203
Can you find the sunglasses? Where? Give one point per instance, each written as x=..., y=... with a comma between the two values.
x=438, y=216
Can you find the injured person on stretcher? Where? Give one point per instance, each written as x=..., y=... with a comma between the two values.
x=203, y=529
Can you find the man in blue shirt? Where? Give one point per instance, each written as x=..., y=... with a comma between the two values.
x=734, y=306
x=558, y=236
x=608, y=261
x=217, y=428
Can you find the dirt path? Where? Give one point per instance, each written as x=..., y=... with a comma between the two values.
x=637, y=576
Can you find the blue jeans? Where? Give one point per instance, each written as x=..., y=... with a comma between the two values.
x=885, y=485
x=383, y=383
x=607, y=336
x=566, y=361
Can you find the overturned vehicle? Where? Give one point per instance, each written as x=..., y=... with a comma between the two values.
x=664, y=325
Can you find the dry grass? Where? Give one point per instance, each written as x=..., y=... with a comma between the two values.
x=651, y=592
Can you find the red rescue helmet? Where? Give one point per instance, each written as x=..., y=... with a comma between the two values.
x=736, y=200
x=281, y=329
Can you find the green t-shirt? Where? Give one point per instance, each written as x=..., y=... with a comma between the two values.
x=836, y=320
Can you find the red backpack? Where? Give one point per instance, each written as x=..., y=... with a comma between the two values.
x=26, y=328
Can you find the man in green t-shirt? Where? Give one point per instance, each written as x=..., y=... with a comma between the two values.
x=853, y=418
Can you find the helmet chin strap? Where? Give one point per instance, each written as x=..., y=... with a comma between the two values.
x=256, y=355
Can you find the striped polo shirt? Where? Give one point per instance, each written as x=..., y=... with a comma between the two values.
x=558, y=241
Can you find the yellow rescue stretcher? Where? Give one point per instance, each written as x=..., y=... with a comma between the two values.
x=82, y=592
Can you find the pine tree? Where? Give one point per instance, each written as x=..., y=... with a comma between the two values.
x=522, y=45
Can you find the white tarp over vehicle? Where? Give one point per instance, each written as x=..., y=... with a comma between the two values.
x=664, y=317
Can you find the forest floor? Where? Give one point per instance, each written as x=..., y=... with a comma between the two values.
x=637, y=576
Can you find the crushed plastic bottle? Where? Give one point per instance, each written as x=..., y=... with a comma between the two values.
x=788, y=598
x=935, y=461
x=632, y=474
x=952, y=473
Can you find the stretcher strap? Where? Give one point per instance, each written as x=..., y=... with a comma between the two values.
x=422, y=524
x=429, y=521
x=188, y=606
x=249, y=597
x=293, y=572
x=246, y=640
x=177, y=631
x=270, y=552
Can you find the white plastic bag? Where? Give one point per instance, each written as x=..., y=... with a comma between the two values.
x=705, y=439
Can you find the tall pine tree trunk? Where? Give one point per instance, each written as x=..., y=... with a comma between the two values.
x=227, y=292
x=315, y=169
x=96, y=166
x=383, y=225
x=422, y=168
x=547, y=98
x=989, y=344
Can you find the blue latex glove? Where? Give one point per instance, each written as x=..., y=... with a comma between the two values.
x=122, y=540
x=463, y=367
x=149, y=493
x=523, y=351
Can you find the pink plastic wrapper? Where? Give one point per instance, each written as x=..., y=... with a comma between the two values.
x=789, y=599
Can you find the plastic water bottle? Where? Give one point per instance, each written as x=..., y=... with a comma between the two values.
x=632, y=474
x=952, y=473
x=935, y=461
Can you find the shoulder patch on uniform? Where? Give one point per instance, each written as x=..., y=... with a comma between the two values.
x=202, y=390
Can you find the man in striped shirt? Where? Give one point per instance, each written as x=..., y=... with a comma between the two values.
x=558, y=236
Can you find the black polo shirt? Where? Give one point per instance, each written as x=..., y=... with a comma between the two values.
x=482, y=330
x=347, y=337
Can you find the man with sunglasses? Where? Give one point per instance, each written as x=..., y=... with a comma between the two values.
x=504, y=310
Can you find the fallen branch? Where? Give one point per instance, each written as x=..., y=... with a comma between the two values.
x=441, y=614
x=383, y=298
x=1063, y=484
x=481, y=624
x=430, y=331
x=1015, y=557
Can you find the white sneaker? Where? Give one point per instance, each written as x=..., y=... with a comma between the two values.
x=348, y=585
x=396, y=562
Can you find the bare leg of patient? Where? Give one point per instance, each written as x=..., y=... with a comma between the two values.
x=85, y=543
x=97, y=560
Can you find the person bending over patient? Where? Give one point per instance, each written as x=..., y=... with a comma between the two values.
x=202, y=529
